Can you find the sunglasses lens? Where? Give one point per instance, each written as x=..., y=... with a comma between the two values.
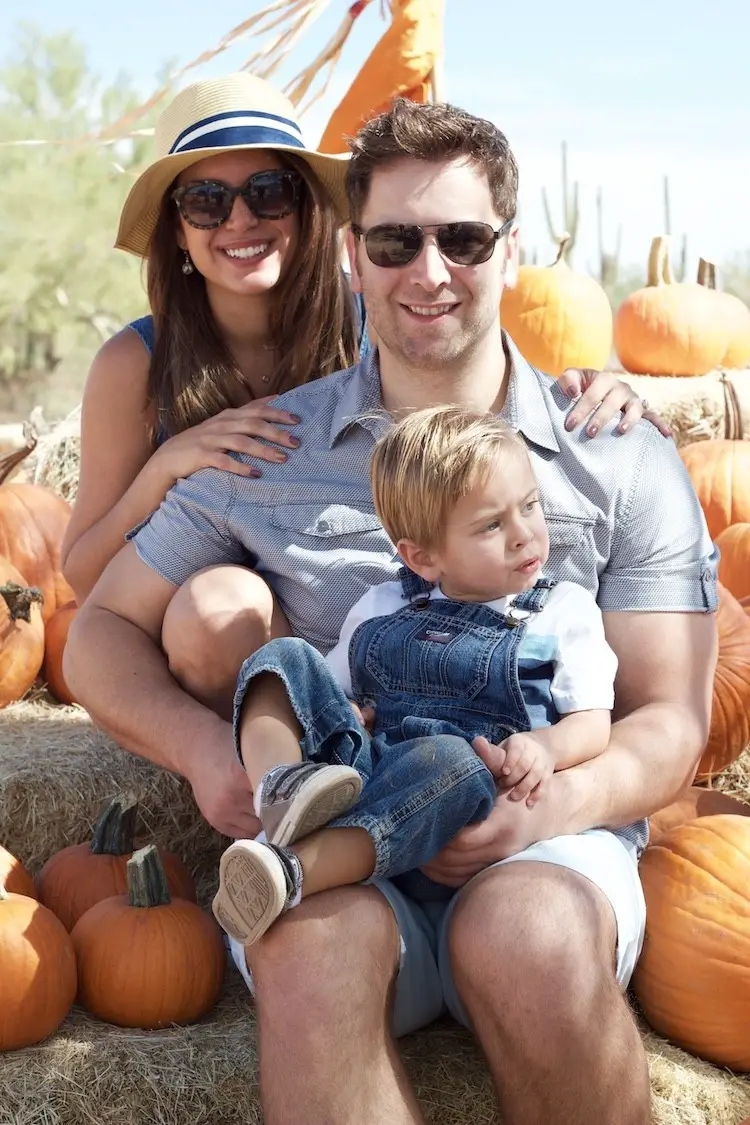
x=271, y=195
x=206, y=205
x=467, y=244
x=393, y=244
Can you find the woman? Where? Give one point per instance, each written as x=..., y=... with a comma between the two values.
x=238, y=221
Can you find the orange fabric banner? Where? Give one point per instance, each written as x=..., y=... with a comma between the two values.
x=400, y=64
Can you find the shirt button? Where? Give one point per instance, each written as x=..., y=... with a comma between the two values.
x=324, y=525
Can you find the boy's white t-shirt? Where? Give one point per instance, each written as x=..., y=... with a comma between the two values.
x=584, y=664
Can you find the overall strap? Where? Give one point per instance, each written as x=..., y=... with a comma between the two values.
x=535, y=599
x=414, y=588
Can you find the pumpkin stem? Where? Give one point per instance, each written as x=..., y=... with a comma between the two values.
x=562, y=247
x=19, y=600
x=659, y=263
x=114, y=831
x=147, y=883
x=706, y=273
x=9, y=463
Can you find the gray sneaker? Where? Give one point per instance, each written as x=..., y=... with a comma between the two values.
x=257, y=883
x=298, y=799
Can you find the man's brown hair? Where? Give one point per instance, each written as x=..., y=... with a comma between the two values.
x=432, y=133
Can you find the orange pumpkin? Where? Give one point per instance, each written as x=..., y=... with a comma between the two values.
x=734, y=564
x=14, y=876
x=668, y=328
x=32, y=524
x=21, y=634
x=695, y=802
x=38, y=978
x=730, y=714
x=736, y=315
x=693, y=976
x=558, y=318
x=145, y=960
x=55, y=637
x=76, y=878
x=720, y=472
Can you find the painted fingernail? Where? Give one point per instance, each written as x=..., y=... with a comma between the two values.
x=295, y=441
x=624, y=427
x=280, y=455
x=592, y=431
x=571, y=422
x=294, y=419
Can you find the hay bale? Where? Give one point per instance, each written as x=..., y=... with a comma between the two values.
x=699, y=407
x=56, y=768
x=207, y=1075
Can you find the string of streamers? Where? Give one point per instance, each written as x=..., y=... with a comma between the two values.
x=289, y=20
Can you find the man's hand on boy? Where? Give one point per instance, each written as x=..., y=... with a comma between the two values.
x=527, y=767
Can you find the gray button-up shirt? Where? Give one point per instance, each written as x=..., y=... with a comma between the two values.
x=623, y=518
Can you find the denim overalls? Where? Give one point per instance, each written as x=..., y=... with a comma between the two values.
x=423, y=781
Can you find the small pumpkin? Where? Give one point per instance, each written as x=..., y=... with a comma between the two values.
x=38, y=978
x=737, y=317
x=734, y=564
x=33, y=520
x=558, y=318
x=77, y=877
x=55, y=638
x=692, y=978
x=14, y=876
x=720, y=472
x=729, y=733
x=668, y=328
x=695, y=802
x=147, y=960
x=21, y=634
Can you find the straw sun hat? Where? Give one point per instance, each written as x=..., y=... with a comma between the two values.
x=238, y=111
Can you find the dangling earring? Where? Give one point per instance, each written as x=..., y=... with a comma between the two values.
x=187, y=265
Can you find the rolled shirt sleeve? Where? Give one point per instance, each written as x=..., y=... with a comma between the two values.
x=188, y=531
x=662, y=557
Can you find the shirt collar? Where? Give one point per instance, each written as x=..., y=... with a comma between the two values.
x=526, y=409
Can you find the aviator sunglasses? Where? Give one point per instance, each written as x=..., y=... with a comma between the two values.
x=269, y=195
x=396, y=244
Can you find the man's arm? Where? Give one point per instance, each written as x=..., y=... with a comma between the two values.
x=663, y=698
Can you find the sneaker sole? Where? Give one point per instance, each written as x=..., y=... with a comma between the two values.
x=252, y=891
x=325, y=796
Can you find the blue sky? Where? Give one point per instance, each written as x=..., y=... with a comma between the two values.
x=638, y=90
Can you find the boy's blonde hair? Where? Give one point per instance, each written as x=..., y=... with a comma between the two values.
x=424, y=464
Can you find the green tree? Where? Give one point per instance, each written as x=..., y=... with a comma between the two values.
x=63, y=289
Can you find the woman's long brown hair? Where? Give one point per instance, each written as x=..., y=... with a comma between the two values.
x=313, y=326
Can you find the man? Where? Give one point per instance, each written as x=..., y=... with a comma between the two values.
x=534, y=952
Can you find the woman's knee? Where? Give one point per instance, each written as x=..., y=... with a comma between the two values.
x=219, y=616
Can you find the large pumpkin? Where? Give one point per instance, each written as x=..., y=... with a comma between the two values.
x=667, y=328
x=720, y=472
x=736, y=315
x=21, y=634
x=730, y=713
x=693, y=976
x=734, y=564
x=14, y=876
x=695, y=802
x=32, y=525
x=145, y=960
x=76, y=878
x=55, y=638
x=558, y=318
x=38, y=978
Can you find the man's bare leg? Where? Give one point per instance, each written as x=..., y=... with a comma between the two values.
x=532, y=948
x=324, y=976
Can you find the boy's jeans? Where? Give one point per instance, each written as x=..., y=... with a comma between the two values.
x=418, y=793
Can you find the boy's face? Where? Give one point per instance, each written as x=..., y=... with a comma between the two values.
x=432, y=312
x=496, y=538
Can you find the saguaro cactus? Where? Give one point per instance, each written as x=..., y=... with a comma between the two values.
x=570, y=209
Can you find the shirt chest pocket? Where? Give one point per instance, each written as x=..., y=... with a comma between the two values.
x=572, y=551
x=334, y=530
